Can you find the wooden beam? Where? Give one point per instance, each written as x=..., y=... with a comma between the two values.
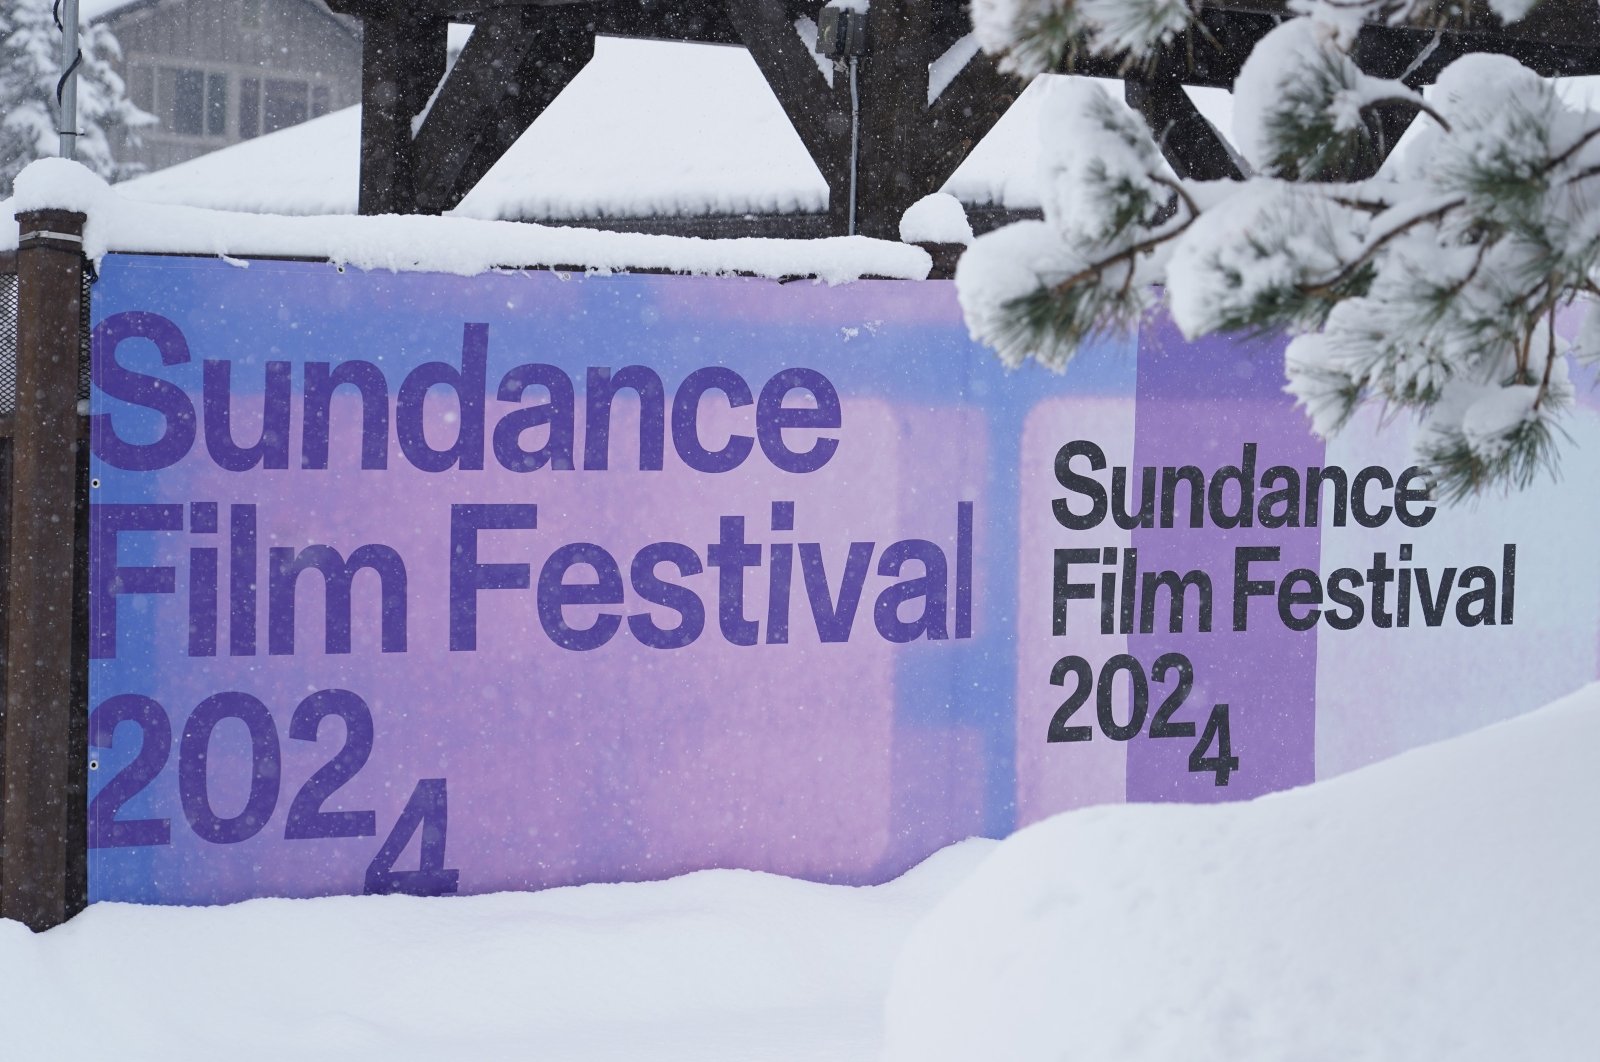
x=1194, y=149
x=519, y=58
x=976, y=98
x=1565, y=24
x=513, y=67
x=699, y=22
x=402, y=59
x=43, y=779
x=1559, y=37
x=894, y=104
x=819, y=113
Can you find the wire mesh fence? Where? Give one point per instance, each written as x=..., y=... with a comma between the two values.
x=8, y=343
x=85, y=285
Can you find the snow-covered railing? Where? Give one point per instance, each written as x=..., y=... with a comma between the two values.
x=462, y=246
x=60, y=224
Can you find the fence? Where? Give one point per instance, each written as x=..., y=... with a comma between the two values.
x=45, y=288
x=44, y=373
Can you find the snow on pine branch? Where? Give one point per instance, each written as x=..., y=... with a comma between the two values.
x=1035, y=36
x=1431, y=287
x=1092, y=261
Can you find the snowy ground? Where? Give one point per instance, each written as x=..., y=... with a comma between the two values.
x=721, y=966
x=1439, y=906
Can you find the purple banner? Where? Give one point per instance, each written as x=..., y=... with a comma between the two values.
x=435, y=584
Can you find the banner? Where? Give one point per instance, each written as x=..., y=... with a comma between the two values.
x=435, y=584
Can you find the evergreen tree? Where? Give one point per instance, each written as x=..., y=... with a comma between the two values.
x=1432, y=287
x=30, y=67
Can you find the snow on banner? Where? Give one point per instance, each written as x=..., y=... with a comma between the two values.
x=617, y=577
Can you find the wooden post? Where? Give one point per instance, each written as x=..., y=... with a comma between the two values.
x=44, y=778
x=402, y=59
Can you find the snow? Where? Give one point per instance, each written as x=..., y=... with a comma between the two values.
x=807, y=29
x=936, y=218
x=1093, y=147
x=1265, y=235
x=1512, y=10
x=944, y=69
x=1436, y=906
x=312, y=168
x=1501, y=410
x=1006, y=264
x=1135, y=28
x=90, y=11
x=720, y=966
x=448, y=245
x=1278, y=60
x=1003, y=169
x=646, y=127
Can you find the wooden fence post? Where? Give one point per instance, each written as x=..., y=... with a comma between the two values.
x=44, y=777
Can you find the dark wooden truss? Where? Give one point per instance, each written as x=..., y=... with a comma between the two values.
x=524, y=52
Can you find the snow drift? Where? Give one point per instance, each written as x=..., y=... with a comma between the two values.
x=1440, y=905
x=1435, y=906
x=720, y=965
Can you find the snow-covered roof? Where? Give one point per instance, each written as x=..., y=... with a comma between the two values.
x=647, y=128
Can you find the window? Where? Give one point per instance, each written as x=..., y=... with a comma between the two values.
x=252, y=14
x=199, y=103
x=143, y=88
x=216, y=104
x=188, y=102
x=287, y=103
x=249, y=108
x=191, y=102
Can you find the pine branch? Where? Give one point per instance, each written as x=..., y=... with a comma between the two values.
x=1344, y=275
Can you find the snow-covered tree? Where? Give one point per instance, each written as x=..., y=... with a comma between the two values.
x=1432, y=287
x=30, y=66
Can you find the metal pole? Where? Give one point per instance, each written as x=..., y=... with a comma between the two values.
x=66, y=15
x=855, y=140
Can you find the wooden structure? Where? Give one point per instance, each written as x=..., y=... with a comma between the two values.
x=520, y=58
x=525, y=51
x=43, y=581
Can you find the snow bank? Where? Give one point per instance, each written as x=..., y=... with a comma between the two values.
x=446, y=245
x=1438, y=906
x=720, y=965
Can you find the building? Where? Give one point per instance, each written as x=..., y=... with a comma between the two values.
x=215, y=72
